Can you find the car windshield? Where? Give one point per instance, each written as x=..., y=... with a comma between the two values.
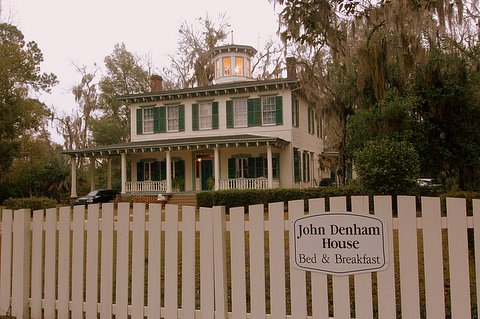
x=93, y=193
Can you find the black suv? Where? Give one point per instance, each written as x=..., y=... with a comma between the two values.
x=97, y=196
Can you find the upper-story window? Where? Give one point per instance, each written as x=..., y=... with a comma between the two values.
x=227, y=66
x=147, y=120
x=268, y=110
x=172, y=118
x=249, y=112
x=205, y=116
x=240, y=113
x=239, y=66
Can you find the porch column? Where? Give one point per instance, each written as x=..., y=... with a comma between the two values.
x=269, y=167
x=109, y=173
x=216, y=160
x=169, y=172
x=123, y=166
x=92, y=174
x=73, y=188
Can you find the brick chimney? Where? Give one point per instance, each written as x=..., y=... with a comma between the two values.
x=291, y=67
x=156, y=83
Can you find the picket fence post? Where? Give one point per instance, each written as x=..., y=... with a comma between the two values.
x=21, y=262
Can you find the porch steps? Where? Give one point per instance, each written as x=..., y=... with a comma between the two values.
x=183, y=200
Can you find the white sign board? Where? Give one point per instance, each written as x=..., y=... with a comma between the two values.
x=339, y=243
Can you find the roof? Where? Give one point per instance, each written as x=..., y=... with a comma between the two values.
x=233, y=48
x=178, y=144
x=212, y=90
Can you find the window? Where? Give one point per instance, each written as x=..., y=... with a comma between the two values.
x=147, y=120
x=297, y=163
x=205, y=116
x=218, y=68
x=295, y=112
x=147, y=171
x=240, y=113
x=226, y=66
x=275, y=167
x=247, y=68
x=268, y=110
x=241, y=168
x=311, y=120
x=172, y=118
x=238, y=66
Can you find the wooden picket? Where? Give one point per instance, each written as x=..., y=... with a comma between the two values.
x=180, y=262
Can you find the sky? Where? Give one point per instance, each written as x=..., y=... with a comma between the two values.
x=84, y=32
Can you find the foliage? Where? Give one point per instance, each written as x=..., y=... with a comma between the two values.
x=244, y=198
x=33, y=203
x=386, y=166
x=19, y=75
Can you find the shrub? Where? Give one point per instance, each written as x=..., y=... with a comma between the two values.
x=387, y=166
x=33, y=203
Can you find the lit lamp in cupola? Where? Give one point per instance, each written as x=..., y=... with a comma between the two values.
x=232, y=63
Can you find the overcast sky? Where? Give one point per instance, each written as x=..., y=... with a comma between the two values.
x=85, y=32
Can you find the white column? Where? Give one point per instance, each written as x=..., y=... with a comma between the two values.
x=123, y=165
x=169, y=172
x=269, y=166
x=109, y=173
x=73, y=189
x=216, y=163
x=92, y=174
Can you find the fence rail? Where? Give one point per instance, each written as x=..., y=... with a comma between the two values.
x=183, y=263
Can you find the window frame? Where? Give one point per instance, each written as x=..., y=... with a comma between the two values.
x=148, y=123
x=269, y=116
x=236, y=114
x=170, y=118
x=205, y=121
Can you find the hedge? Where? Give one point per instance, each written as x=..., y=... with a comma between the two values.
x=33, y=203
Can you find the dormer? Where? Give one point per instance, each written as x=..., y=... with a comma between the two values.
x=232, y=63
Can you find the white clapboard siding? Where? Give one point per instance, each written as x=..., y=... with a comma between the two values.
x=130, y=262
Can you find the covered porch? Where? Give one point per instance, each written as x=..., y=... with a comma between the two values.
x=192, y=164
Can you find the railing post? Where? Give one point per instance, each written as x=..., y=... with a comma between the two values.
x=21, y=264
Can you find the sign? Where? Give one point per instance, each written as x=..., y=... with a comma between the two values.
x=339, y=243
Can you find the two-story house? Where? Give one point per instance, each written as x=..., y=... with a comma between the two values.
x=238, y=133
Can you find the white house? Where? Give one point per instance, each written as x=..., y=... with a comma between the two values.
x=238, y=133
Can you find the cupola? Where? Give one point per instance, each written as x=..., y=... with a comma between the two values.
x=232, y=63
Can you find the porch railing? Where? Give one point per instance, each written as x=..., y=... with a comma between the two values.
x=247, y=183
x=147, y=186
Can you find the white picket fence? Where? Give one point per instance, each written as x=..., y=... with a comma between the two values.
x=188, y=263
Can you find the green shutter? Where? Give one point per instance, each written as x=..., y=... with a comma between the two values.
x=293, y=109
x=296, y=165
x=195, y=117
x=155, y=171
x=254, y=112
x=297, y=112
x=162, y=120
x=251, y=167
x=309, y=121
x=214, y=115
x=156, y=120
x=260, y=167
x=181, y=118
x=163, y=170
x=279, y=110
x=181, y=172
x=231, y=168
x=230, y=119
x=139, y=121
x=140, y=172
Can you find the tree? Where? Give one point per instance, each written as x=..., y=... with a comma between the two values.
x=126, y=74
x=191, y=65
x=20, y=74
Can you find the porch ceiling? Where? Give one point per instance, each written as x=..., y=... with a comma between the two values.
x=178, y=144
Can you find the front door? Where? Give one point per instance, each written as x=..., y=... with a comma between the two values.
x=207, y=171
